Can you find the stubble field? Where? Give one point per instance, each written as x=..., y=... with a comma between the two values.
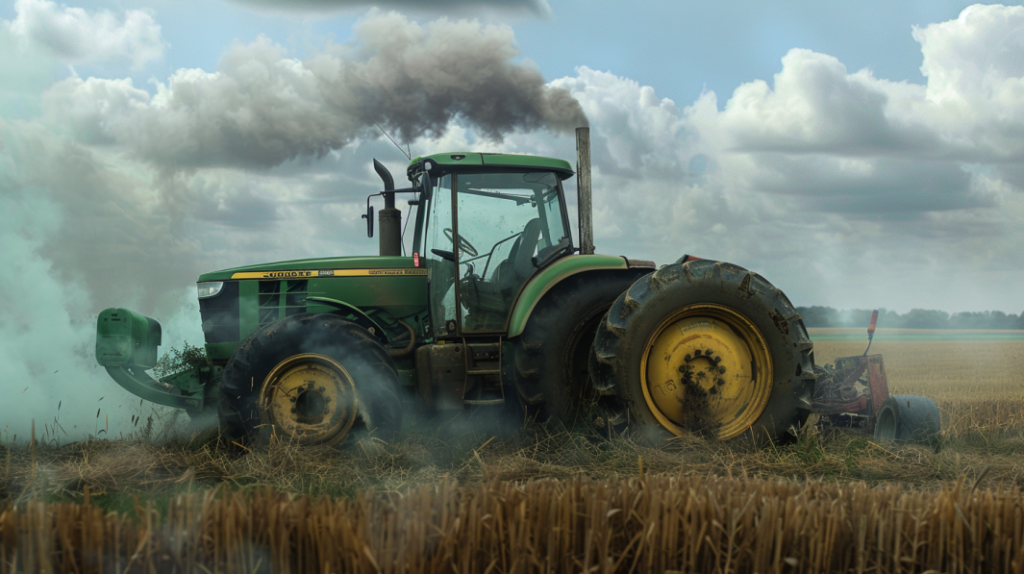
x=550, y=500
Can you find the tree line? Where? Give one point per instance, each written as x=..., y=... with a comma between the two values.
x=818, y=316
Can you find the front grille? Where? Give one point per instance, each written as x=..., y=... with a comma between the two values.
x=220, y=315
x=271, y=292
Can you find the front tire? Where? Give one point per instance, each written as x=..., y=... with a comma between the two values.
x=707, y=348
x=312, y=379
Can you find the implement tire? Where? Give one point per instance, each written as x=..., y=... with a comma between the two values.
x=708, y=348
x=907, y=418
x=311, y=379
x=550, y=361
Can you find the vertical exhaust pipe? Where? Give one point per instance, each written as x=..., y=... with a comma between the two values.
x=583, y=188
x=390, y=217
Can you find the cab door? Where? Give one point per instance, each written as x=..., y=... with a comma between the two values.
x=483, y=231
x=439, y=258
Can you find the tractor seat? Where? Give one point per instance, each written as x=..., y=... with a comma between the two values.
x=494, y=294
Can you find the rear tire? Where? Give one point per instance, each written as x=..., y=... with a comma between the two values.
x=313, y=379
x=551, y=356
x=907, y=418
x=709, y=348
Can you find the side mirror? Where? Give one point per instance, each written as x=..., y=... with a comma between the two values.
x=368, y=216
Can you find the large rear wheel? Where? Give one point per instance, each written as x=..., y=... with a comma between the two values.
x=550, y=357
x=707, y=348
x=311, y=379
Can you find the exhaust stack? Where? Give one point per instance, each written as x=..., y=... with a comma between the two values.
x=390, y=218
x=583, y=189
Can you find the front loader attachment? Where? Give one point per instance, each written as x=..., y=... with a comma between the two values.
x=126, y=344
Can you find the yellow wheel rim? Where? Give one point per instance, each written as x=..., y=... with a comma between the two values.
x=310, y=399
x=706, y=368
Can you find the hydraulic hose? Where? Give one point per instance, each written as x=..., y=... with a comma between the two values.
x=408, y=348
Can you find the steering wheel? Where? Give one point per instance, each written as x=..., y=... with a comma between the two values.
x=463, y=244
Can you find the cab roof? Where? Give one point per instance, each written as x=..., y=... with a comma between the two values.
x=480, y=160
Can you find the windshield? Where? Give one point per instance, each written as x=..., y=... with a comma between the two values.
x=495, y=208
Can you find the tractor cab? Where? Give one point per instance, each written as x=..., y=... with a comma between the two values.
x=485, y=224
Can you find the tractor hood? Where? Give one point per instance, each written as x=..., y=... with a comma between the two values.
x=318, y=267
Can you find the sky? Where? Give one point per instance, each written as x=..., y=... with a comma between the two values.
x=857, y=155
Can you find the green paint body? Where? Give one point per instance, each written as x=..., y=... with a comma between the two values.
x=552, y=275
x=453, y=161
x=375, y=292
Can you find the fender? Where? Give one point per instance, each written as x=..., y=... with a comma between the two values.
x=544, y=280
x=360, y=317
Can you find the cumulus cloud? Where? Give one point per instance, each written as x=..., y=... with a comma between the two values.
x=75, y=35
x=975, y=90
x=261, y=108
x=816, y=106
x=838, y=185
x=536, y=7
x=970, y=109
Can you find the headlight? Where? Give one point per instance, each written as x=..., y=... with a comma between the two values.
x=210, y=289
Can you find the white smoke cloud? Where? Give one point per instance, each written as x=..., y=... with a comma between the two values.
x=75, y=35
x=47, y=368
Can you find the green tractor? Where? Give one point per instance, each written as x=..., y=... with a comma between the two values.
x=494, y=308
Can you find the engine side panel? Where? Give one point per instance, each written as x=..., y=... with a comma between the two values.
x=253, y=297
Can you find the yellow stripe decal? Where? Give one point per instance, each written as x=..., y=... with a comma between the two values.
x=311, y=273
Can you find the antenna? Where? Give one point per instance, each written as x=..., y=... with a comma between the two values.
x=407, y=156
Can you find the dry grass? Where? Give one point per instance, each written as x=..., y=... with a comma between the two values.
x=645, y=524
x=113, y=470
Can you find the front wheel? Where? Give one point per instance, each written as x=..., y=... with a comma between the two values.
x=311, y=379
x=707, y=348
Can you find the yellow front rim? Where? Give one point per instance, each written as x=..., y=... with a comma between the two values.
x=310, y=399
x=706, y=368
